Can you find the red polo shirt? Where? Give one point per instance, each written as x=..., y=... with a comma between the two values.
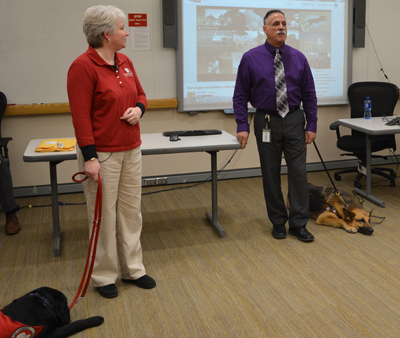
x=98, y=96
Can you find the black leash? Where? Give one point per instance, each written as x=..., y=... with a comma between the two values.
x=323, y=163
x=330, y=178
x=337, y=191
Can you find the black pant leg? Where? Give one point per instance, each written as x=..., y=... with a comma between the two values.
x=295, y=151
x=270, y=159
x=6, y=187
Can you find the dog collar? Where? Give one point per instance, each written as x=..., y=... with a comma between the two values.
x=332, y=209
x=47, y=306
x=41, y=297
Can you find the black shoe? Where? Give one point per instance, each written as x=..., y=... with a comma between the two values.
x=302, y=234
x=144, y=282
x=108, y=291
x=279, y=231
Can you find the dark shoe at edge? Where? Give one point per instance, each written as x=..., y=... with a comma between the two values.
x=12, y=224
x=144, y=282
x=108, y=291
x=302, y=234
x=279, y=232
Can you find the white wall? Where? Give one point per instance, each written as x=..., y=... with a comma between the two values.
x=156, y=70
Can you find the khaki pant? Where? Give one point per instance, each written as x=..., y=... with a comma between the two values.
x=121, y=223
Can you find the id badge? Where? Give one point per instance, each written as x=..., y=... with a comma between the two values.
x=266, y=135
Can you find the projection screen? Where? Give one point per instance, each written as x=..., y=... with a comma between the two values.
x=214, y=34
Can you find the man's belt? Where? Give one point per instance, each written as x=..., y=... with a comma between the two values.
x=274, y=112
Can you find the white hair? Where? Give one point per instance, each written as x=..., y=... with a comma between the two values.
x=99, y=19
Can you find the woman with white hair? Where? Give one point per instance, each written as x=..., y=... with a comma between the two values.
x=107, y=101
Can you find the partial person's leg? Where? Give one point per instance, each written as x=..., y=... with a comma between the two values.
x=295, y=151
x=105, y=269
x=8, y=204
x=6, y=188
x=270, y=159
x=129, y=216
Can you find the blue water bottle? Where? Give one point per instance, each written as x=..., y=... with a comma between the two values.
x=367, y=108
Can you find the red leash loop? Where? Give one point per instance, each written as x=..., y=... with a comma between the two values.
x=80, y=173
x=92, y=243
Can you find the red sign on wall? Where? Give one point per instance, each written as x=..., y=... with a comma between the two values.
x=137, y=20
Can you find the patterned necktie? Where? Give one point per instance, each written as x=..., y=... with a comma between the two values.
x=282, y=106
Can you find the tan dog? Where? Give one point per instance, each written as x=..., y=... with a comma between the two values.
x=328, y=209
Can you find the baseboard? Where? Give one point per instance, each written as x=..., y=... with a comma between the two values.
x=68, y=188
x=43, y=190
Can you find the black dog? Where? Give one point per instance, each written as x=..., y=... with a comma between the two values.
x=43, y=312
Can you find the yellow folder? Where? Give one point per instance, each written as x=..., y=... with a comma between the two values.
x=61, y=144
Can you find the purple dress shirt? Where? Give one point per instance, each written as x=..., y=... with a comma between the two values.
x=255, y=83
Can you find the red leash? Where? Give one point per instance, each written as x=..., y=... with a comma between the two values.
x=92, y=243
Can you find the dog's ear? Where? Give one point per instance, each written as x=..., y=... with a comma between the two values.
x=370, y=213
x=348, y=215
x=63, y=315
x=61, y=308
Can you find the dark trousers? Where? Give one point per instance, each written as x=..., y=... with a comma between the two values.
x=6, y=187
x=287, y=137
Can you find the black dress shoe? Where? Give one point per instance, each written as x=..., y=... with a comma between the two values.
x=108, y=291
x=302, y=234
x=279, y=231
x=144, y=282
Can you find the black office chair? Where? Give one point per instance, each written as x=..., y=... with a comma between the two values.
x=384, y=97
x=3, y=140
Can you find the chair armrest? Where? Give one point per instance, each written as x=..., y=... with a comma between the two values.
x=3, y=146
x=335, y=126
x=4, y=141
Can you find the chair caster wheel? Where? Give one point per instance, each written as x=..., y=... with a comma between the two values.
x=392, y=184
x=337, y=177
x=357, y=185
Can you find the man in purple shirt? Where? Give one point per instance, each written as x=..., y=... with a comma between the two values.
x=275, y=135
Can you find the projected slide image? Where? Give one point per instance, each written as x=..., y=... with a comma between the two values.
x=317, y=48
x=315, y=21
x=216, y=34
x=214, y=55
x=224, y=34
x=292, y=20
x=245, y=40
x=221, y=33
x=213, y=66
x=292, y=39
x=214, y=37
x=315, y=38
x=232, y=18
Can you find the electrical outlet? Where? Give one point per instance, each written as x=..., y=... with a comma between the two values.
x=162, y=180
x=150, y=181
x=155, y=181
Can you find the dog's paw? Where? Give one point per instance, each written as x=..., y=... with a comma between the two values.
x=96, y=320
x=351, y=230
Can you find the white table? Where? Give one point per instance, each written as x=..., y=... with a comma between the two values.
x=152, y=144
x=372, y=127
